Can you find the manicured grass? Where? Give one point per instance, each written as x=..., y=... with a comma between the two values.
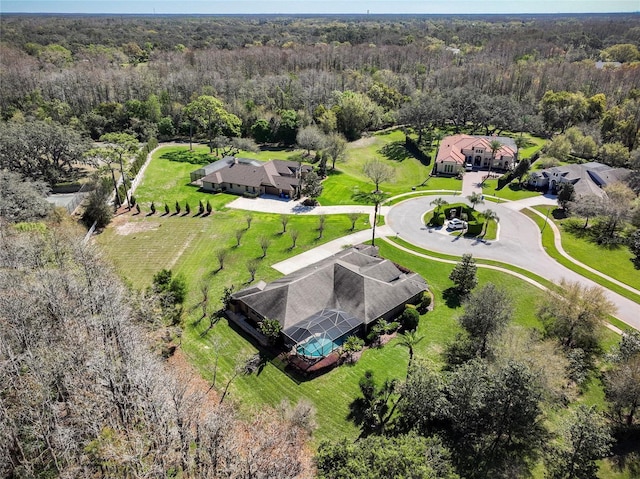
x=332, y=393
x=265, y=153
x=613, y=261
x=512, y=191
x=141, y=245
x=418, y=194
x=536, y=145
x=189, y=243
x=609, y=338
x=549, y=246
x=167, y=181
x=348, y=177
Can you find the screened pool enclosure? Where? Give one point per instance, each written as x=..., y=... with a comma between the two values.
x=321, y=333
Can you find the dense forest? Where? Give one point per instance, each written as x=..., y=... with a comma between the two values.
x=98, y=75
x=85, y=390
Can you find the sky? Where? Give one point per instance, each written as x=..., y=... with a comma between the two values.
x=322, y=6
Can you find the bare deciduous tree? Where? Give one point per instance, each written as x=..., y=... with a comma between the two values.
x=322, y=220
x=378, y=172
x=265, y=242
x=294, y=237
x=284, y=221
x=239, y=234
x=221, y=255
x=252, y=267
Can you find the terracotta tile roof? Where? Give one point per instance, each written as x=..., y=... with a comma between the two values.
x=451, y=147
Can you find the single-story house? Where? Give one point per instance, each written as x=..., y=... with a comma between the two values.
x=588, y=178
x=242, y=175
x=459, y=151
x=217, y=165
x=321, y=305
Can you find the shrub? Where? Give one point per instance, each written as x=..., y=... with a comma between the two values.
x=436, y=220
x=391, y=327
x=475, y=227
x=271, y=328
x=353, y=344
x=97, y=208
x=425, y=302
x=376, y=331
x=410, y=318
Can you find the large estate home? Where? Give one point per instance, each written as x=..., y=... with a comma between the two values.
x=253, y=177
x=458, y=152
x=321, y=305
x=588, y=179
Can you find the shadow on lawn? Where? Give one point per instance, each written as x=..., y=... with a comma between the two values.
x=452, y=298
x=626, y=453
x=395, y=151
x=269, y=354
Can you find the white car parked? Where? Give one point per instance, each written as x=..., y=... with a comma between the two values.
x=457, y=224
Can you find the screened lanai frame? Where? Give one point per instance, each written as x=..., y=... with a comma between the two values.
x=321, y=333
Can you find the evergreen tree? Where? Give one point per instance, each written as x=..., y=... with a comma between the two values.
x=464, y=275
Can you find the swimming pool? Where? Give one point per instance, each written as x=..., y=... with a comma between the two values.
x=316, y=347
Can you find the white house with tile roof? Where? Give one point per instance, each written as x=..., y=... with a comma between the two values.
x=456, y=152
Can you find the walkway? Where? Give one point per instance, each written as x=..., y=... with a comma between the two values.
x=273, y=204
x=328, y=249
x=471, y=182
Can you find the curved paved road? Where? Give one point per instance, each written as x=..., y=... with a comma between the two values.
x=518, y=244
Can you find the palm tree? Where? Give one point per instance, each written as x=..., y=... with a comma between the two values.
x=438, y=136
x=375, y=197
x=475, y=198
x=409, y=340
x=494, y=146
x=488, y=216
x=439, y=202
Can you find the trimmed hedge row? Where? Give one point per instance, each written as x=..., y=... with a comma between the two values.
x=412, y=147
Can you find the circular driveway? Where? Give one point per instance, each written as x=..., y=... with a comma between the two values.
x=518, y=244
x=518, y=240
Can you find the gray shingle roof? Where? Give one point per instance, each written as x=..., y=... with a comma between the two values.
x=246, y=172
x=352, y=281
x=588, y=178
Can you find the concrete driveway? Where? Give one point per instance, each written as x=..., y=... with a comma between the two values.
x=273, y=204
x=519, y=244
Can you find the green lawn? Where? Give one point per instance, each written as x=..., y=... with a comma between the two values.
x=348, y=178
x=549, y=246
x=167, y=181
x=188, y=245
x=613, y=261
x=141, y=245
x=512, y=191
x=536, y=145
